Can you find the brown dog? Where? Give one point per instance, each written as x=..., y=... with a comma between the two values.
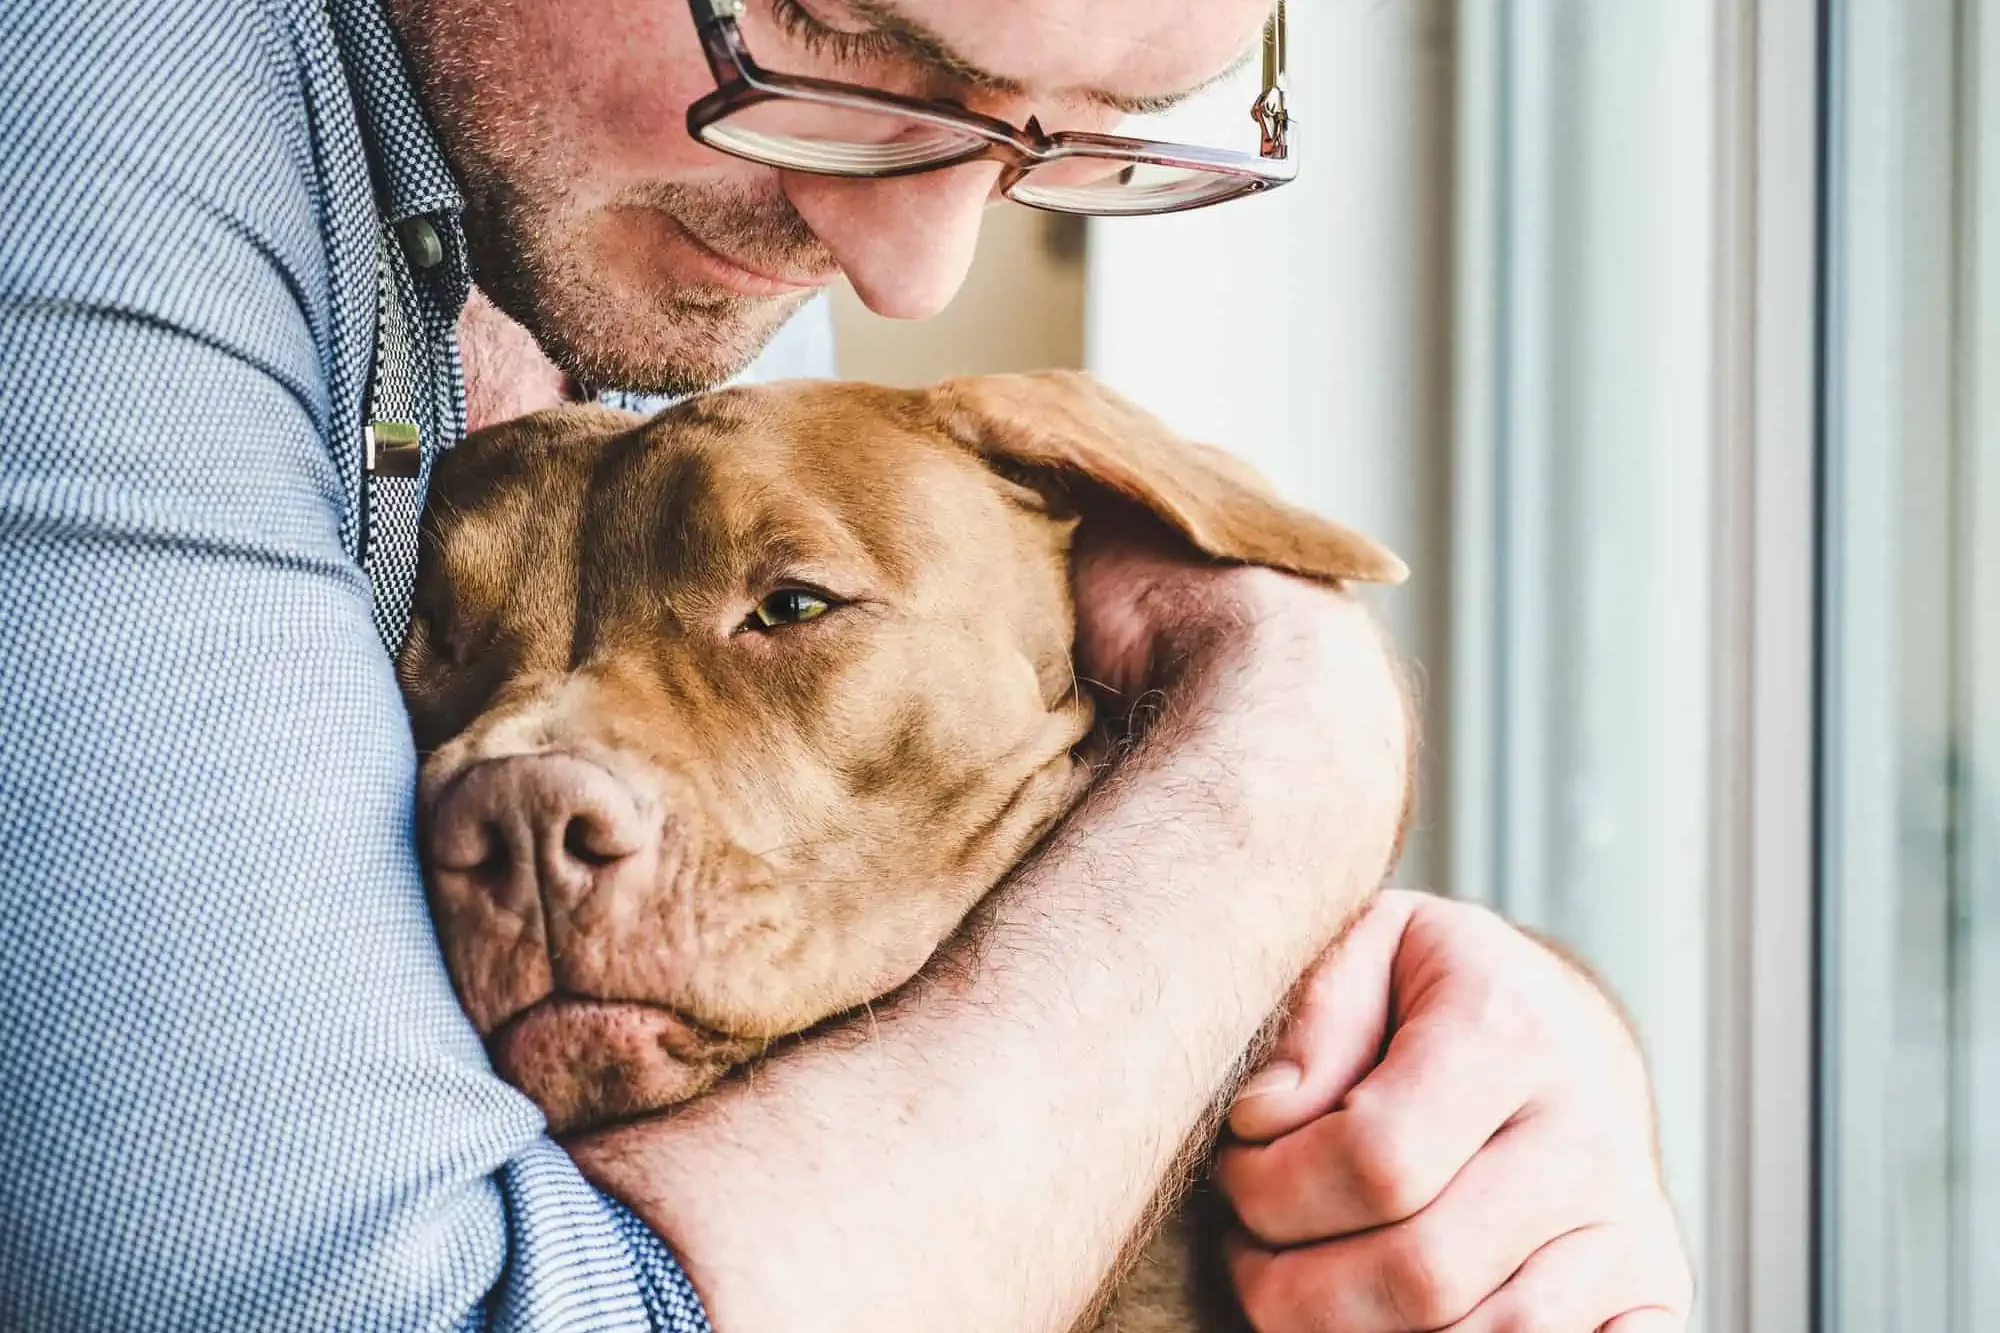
x=732, y=714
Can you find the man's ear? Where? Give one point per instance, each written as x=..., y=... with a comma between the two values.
x=1065, y=427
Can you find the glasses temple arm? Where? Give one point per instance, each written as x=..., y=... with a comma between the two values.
x=1269, y=110
x=1274, y=48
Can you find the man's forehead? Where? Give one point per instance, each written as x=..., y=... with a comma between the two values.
x=1138, y=54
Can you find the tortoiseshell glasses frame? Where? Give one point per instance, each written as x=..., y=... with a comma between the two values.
x=797, y=123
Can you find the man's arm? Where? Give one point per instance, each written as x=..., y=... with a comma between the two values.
x=235, y=1088
x=973, y=1154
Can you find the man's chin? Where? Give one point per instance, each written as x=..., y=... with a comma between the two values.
x=622, y=294
x=644, y=342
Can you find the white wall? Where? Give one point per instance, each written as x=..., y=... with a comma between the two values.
x=1021, y=309
x=1308, y=329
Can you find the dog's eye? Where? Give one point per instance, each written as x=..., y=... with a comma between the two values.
x=788, y=606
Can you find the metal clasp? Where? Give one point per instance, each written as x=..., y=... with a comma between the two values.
x=392, y=449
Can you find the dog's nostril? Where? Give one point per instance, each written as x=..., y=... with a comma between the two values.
x=495, y=858
x=462, y=841
x=592, y=842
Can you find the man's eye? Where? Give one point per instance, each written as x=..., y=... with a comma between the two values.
x=820, y=37
x=788, y=606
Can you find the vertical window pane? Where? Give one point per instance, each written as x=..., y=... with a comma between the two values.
x=1912, y=684
x=1585, y=620
x=1976, y=1092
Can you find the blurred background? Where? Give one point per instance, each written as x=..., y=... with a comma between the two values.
x=1662, y=337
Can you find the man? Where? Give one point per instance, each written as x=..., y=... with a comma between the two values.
x=236, y=1089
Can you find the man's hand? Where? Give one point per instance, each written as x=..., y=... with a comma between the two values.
x=1455, y=1132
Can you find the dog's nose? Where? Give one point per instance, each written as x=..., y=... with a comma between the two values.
x=524, y=853
x=534, y=831
x=554, y=814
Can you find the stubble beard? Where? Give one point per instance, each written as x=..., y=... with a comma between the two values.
x=531, y=239
x=658, y=337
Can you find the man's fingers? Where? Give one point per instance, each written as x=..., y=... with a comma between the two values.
x=1647, y=1321
x=1625, y=1278
x=1334, y=1034
x=1395, y=1143
x=1428, y=1271
x=1466, y=1058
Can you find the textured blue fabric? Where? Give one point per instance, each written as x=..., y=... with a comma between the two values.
x=235, y=1088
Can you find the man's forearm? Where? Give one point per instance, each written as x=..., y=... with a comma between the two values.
x=974, y=1153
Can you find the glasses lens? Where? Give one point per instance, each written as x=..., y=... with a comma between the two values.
x=838, y=140
x=1109, y=186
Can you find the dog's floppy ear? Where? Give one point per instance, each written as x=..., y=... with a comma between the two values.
x=1067, y=424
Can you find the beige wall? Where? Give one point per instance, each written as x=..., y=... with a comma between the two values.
x=1021, y=309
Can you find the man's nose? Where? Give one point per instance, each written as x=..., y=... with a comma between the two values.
x=905, y=243
x=516, y=846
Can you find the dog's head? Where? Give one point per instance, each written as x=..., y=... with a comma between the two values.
x=731, y=715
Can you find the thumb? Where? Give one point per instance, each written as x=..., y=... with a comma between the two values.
x=1337, y=1028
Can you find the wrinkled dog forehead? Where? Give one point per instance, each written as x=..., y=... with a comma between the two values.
x=560, y=537
x=727, y=483
x=686, y=521
x=786, y=481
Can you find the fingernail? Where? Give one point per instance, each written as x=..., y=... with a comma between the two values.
x=1278, y=1076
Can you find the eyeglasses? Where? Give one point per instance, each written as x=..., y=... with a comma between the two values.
x=829, y=128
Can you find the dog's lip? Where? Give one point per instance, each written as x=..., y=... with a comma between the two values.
x=681, y=1036
x=589, y=1062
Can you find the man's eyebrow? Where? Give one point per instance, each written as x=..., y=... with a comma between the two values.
x=926, y=47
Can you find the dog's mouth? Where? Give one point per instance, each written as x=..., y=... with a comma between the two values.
x=588, y=1062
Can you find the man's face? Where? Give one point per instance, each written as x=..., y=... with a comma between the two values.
x=643, y=259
